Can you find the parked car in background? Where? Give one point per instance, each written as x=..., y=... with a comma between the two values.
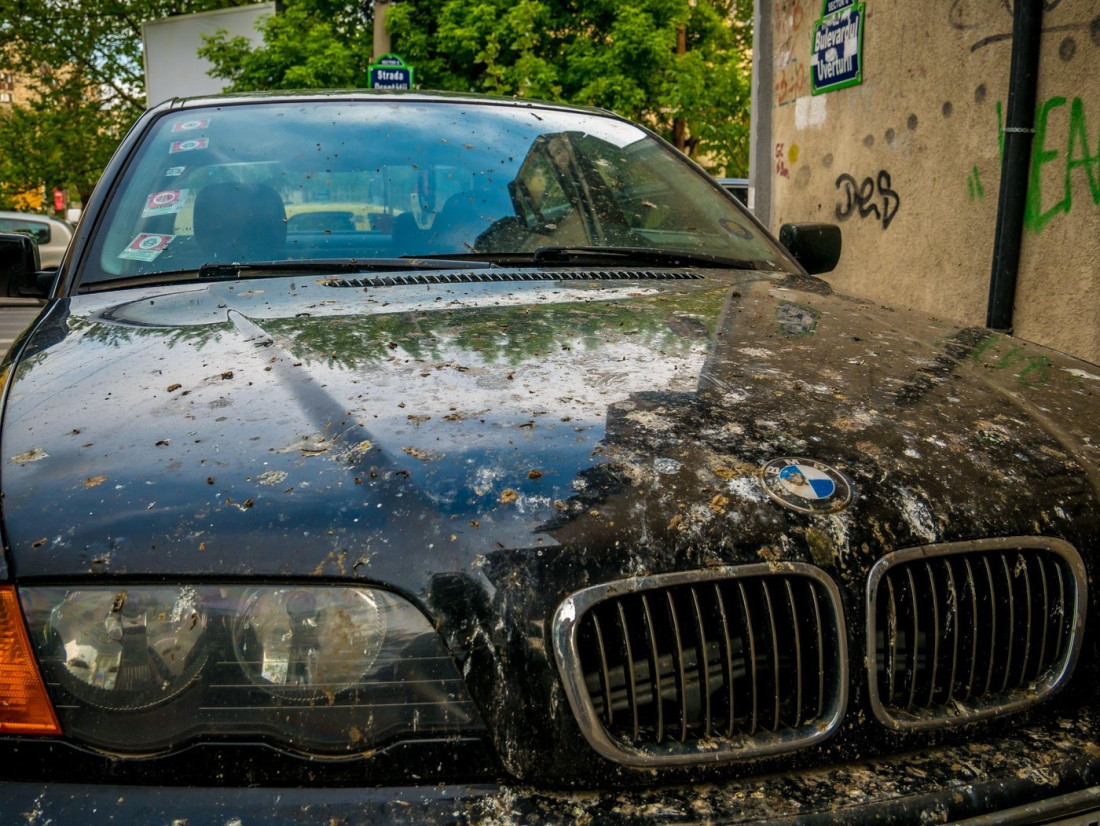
x=521, y=476
x=50, y=234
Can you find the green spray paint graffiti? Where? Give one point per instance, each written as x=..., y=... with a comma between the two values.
x=1063, y=162
x=974, y=182
x=1064, y=158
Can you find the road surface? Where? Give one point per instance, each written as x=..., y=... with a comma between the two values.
x=15, y=315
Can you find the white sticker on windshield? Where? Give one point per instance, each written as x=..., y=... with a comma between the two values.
x=187, y=146
x=165, y=203
x=146, y=247
x=185, y=125
x=174, y=172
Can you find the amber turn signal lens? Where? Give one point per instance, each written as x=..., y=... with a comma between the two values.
x=24, y=706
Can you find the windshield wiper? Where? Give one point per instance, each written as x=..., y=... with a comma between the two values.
x=637, y=255
x=631, y=256
x=335, y=265
x=258, y=269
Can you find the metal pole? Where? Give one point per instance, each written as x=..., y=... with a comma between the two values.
x=1019, y=130
x=760, y=115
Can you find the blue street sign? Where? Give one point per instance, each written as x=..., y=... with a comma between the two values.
x=837, y=57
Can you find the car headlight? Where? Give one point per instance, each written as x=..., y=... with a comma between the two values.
x=115, y=652
x=325, y=669
x=308, y=643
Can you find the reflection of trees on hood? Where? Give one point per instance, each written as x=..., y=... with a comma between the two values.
x=509, y=335
x=116, y=335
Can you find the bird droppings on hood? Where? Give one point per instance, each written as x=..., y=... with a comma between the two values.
x=337, y=560
x=774, y=556
x=271, y=478
x=421, y=454
x=748, y=488
x=822, y=549
x=869, y=448
x=993, y=432
x=665, y=465
x=35, y=455
x=308, y=446
x=1081, y=374
x=855, y=420
x=918, y=516
x=651, y=419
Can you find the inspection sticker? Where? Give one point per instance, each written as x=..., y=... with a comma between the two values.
x=174, y=172
x=734, y=228
x=189, y=145
x=186, y=125
x=165, y=203
x=146, y=247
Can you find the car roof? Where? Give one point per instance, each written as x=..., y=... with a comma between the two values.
x=357, y=95
x=36, y=216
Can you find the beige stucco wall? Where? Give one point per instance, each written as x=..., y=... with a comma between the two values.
x=908, y=162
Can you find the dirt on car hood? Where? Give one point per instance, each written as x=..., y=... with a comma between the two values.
x=489, y=446
x=399, y=433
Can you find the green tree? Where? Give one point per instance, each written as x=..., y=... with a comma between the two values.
x=82, y=61
x=679, y=66
x=310, y=44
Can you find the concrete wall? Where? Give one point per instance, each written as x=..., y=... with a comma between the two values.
x=909, y=163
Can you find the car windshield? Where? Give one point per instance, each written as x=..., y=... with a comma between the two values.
x=387, y=180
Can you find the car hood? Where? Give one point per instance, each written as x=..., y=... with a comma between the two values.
x=406, y=432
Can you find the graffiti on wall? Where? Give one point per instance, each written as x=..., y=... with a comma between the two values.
x=789, y=18
x=977, y=14
x=793, y=82
x=873, y=196
x=1065, y=162
x=781, y=168
x=792, y=77
x=974, y=184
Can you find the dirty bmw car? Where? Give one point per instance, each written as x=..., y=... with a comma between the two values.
x=434, y=459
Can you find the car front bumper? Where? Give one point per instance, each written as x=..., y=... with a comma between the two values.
x=1035, y=774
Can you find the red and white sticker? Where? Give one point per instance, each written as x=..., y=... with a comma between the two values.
x=188, y=145
x=174, y=172
x=165, y=203
x=146, y=247
x=187, y=125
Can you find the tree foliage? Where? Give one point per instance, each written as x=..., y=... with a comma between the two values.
x=82, y=62
x=310, y=44
x=679, y=66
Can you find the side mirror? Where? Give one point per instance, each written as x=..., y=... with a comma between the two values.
x=20, y=266
x=815, y=246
